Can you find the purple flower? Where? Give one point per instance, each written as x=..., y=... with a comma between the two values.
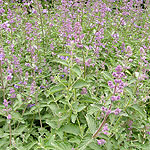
x=108, y=112
x=12, y=90
x=9, y=77
x=5, y=103
x=84, y=91
x=31, y=105
x=1, y=56
x=77, y=60
x=65, y=70
x=115, y=98
x=101, y=141
x=62, y=75
x=117, y=111
x=13, y=96
x=118, y=68
x=45, y=11
x=110, y=84
x=104, y=109
x=62, y=57
x=148, y=132
x=16, y=86
x=9, y=117
x=105, y=128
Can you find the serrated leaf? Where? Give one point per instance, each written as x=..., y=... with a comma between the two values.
x=88, y=99
x=129, y=91
x=137, y=74
x=107, y=75
x=63, y=62
x=56, y=88
x=92, y=109
x=18, y=131
x=70, y=128
x=16, y=116
x=51, y=123
x=77, y=70
x=85, y=143
x=91, y=123
x=75, y=140
x=73, y=118
x=139, y=110
x=131, y=81
x=19, y=98
x=54, y=108
x=80, y=83
x=94, y=146
x=80, y=108
x=109, y=145
x=30, y=145
x=62, y=146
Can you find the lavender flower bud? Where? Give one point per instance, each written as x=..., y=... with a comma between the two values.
x=101, y=141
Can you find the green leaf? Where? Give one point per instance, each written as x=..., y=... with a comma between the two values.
x=63, y=62
x=30, y=145
x=77, y=70
x=137, y=74
x=86, y=141
x=107, y=75
x=80, y=108
x=109, y=145
x=73, y=118
x=62, y=146
x=19, y=98
x=139, y=110
x=54, y=108
x=75, y=139
x=70, y=128
x=80, y=83
x=132, y=81
x=17, y=117
x=94, y=146
x=56, y=88
x=129, y=91
x=91, y=123
x=18, y=131
x=93, y=108
x=87, y=99
x=51, y=123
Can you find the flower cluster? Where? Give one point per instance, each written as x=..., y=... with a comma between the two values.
x=84, y=91
x=5, y=103
x=101, y=142
x=118, y=85
x=105, y=129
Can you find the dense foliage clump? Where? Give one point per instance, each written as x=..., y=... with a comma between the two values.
x=74, y=75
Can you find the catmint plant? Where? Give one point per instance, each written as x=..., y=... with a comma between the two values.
x=75, y=70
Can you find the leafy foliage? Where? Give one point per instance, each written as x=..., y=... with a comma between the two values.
x=74, y=75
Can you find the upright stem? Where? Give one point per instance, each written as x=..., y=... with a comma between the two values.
x=2, y=79
x=107, y=114
x=70, y=74
x=41, y=20
x=36, y=101
x=84, y=63
x=10, y=134
x=100, y=127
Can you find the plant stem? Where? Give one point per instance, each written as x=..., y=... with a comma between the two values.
x=100, y=127
x=36, y=99
x=41, y=20
x=2, y=80
x=84, y=64
x=106, y=116
x=10, y=134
